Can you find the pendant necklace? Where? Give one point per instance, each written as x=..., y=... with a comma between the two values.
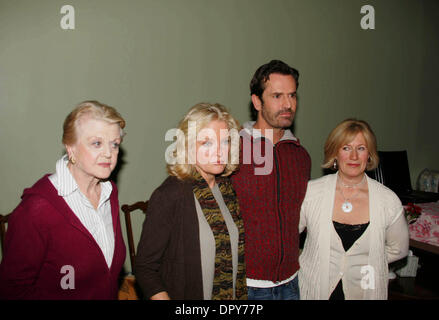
x=347, y=204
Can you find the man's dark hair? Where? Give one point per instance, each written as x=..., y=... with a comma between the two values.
x=257, y=84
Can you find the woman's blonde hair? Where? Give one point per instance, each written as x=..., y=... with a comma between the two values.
x=202, y=114
x=344, y=133
x=93, y=109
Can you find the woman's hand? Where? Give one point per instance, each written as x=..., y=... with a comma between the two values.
x=160, y=296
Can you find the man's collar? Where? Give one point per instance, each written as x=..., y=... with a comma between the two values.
x=257, y=134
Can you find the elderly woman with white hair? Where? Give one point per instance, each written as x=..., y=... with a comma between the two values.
x=192, y=242
x=64, y=239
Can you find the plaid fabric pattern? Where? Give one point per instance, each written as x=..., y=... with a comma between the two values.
x=270, y=207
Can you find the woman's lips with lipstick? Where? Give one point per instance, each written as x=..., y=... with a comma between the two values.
x=354, y=165
x=105, y=165
x=218, y=161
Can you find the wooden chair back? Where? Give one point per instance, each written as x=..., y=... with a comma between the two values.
x=127, y=209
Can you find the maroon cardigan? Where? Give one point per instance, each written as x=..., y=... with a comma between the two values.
x=44, y=235
x=270, y=206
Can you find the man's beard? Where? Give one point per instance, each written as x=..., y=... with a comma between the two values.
x=276, y=121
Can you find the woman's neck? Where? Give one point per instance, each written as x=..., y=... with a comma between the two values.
x=350, y=182
x=87, y=184
x=209, y=178
x=210, y=181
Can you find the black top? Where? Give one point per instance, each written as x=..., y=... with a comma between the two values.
x=348, y=233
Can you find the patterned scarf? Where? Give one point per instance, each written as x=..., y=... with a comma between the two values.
x=223, y=278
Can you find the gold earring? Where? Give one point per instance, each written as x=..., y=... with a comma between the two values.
x=73, y=161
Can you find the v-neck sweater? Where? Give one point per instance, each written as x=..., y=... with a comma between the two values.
x=364, y=267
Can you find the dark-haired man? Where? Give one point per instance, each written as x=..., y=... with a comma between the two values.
x=270, y=199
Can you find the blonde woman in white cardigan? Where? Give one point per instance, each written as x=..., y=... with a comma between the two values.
x=355, y=225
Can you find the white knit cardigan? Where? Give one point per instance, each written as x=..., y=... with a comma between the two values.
x=384, y=209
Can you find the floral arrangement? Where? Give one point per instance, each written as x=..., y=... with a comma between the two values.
x=412, y=212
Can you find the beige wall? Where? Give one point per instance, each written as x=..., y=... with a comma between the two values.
x=152, y=60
